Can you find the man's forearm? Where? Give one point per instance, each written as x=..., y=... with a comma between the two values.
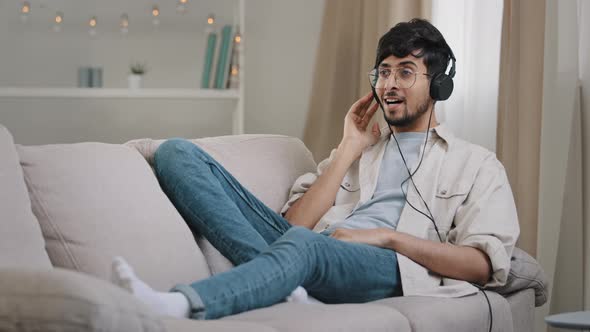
x=308, y=209
x=457, y=262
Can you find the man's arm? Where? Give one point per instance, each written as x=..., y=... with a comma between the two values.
x=478, y=248
x=320, y=197
x=449, y=260
x=308, y=209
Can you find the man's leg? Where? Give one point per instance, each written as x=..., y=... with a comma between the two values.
x=332, y=270
x=214, y=204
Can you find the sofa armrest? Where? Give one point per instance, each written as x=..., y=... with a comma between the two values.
x=525, y=273
x=63, y=300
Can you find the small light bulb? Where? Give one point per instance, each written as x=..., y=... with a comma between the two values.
x=26, y=8
x=25, y=11
x=124, y=25
x=234, y=71
x=92, y=23
x=211, y=19
x=238, y=38
x=155, y=11
x=59, y=17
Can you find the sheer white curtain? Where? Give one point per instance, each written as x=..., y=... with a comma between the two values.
x=473, y=30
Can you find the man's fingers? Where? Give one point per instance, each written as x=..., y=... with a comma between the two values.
x=362, y=103
x=363, y=111
x=372, y=111
x=369, y=115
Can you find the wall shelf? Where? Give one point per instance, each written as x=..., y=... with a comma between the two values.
x=119, y=93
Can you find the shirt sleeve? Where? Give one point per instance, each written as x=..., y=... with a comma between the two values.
x=304, y=182
x=488, y=221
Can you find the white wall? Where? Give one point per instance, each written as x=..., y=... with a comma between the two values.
x=280, y=46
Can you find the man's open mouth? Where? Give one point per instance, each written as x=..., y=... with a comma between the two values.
x=393, y=100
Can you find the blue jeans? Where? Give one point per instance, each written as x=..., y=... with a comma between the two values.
x=271, y=256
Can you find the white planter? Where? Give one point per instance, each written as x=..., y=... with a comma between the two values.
x=134, y=81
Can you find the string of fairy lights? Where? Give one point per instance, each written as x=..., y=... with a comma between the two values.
x=93, y=22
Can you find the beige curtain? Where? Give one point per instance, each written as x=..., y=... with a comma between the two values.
x=543, y=142
x=519, y=108
x=350, y=32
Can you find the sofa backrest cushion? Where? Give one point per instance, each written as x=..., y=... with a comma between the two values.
x=267, y=165
x=21, y=242
x=95, y=201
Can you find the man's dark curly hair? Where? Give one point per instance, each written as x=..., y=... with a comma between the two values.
x=419, y=38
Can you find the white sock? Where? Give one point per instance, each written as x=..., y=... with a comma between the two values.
x=299, y=295
x=167, y=304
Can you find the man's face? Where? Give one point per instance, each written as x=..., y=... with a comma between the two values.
x=404, y=105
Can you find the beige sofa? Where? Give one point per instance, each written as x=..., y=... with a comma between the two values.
x=66, y=210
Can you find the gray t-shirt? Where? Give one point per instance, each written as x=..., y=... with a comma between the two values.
x=385, y=207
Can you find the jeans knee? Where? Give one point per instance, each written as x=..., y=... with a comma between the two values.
x=170, y=153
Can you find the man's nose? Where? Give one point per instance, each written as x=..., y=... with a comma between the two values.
x=391, y=83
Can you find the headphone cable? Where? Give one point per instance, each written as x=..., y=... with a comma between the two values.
x=430, y=216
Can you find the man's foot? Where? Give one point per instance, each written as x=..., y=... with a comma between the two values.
x=299, y=295
x=166, y=304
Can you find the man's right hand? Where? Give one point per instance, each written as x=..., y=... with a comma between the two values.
x=356, y=134
x=320, y=197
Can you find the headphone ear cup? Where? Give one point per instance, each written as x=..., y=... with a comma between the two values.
x=441, y=86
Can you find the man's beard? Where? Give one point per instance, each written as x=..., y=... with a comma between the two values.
x=407, y=118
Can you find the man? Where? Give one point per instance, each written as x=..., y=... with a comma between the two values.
x=406, y=209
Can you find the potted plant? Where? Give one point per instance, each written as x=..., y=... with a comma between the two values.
x=137, y=70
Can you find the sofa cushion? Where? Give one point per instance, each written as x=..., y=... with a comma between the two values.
x=21, y=242
x=468, y=313
x=525, y=273
x=278, y=162
x=297, y=317
x=188, y=325
x=95, y=201
x=62, y=300
x=267, y=165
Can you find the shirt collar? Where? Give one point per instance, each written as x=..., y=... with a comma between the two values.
x=444, y=132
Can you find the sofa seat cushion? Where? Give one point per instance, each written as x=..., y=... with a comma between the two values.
x=95, y=201
x=468, y=313
x=62, y=300
x=21, y=242
x=188, y=325
x=326, y=317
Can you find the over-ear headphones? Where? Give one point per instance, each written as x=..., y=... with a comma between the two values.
x=441, y=84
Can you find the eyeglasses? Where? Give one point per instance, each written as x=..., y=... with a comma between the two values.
x=404, y=77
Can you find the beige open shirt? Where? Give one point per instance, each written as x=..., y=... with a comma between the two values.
x=466, y=189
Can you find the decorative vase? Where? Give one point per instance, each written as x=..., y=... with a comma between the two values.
x=134, y=81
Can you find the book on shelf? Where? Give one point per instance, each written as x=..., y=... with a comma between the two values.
x=209, y=59
x=223, y=57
